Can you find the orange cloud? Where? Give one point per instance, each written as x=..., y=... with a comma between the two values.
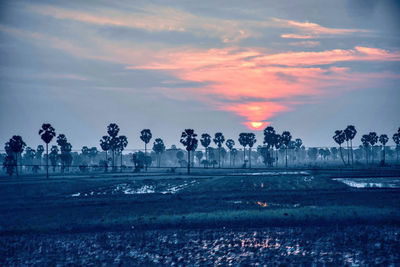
x=233, y=75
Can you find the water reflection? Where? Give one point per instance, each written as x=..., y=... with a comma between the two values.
x=371, y=182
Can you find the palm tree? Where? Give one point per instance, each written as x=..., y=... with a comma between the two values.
x=383, y=139
x=251, y=140
x=54, y=157
x=122, y=143
x=188, y=139
x=350, y=132
x=277, y=142
x=286, y=138
x=39, y=152
x=373, y=139
x=244, y=142
x=159, y=148
x=199, y=156
x=234, y=153
x=16, y=145
x=65, y=148
x=365, y=142
x=105, y=144
x=339, y=138
x=396, y=140
x=205, y=141
x=219, y=139
x=145, y=136
x=47, y=133
x=269, y=138
x=113, y=130
x=298, y=143
x=229, y=144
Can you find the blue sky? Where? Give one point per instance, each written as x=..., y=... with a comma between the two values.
x=309, y=67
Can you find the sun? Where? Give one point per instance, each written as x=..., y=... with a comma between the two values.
x=256, y=125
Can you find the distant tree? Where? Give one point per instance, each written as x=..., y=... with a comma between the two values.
x=269, y=139
x=47, y=133
x=234, y=153
x=92, y=153
x=365, y=142
x=179, y=156
x=264, y=152
x=383, y=139
x=312, y=153
x=113, y=130
x=350, y=132
x=145, y=136
x=251, y=140
x=334, y=152
x=286, y=138
x=85, y=152
x=396, y=140
x=188, y=139
x=205, y=141
x=219, y=139
x=199, y=156
x=339, y=138
x=277, y=144
x=17, y=146
x=53, y=157
x=39, y=153
x=29, y=156
x=158, y=148
x=9, y=162
x=243, y=141
x=297, y=144
x=105, y=144
x=121, y=145
x=373, y=139
x=229, y=144
x=65, y=149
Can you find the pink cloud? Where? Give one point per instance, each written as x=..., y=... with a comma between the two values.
x=237, y=74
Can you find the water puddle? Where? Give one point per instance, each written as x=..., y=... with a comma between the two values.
x=275, y=173
x=371, y=182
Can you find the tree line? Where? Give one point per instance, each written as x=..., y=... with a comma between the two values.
x=273, y=146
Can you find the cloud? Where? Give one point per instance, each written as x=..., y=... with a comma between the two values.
x=305, y=43
x=311, y=30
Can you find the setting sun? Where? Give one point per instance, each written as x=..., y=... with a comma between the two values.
x=256, y=125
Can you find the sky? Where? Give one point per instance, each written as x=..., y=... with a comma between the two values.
x=310, y=67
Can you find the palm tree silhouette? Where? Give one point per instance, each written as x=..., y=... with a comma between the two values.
x=122, y=143
x=350, y=132
x=188, y=139
x=234, y=153
x=113, y=130
x=286, y=138
x=105, y=144
x=243, y=141
x=373, y=139
x=145, y=136
x=47, y=133
x=219, y=139
x=396, y=140
x=159, y=148
x=383, y=139
x=54, y=157
x=277, y=143
x=298, y=143
x=339, y=138
x=365, y=142
x=65, y=148
x=16, y=145
x=229, y=144
x=269, y=138
x=205, y=141
x=251, y=140
x=39, y=152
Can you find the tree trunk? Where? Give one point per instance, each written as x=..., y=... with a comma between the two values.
x=366, y=155
x=286, y=157
x=47, y=160
x=121, y=162
x=341, y=154
x=219, y=157
x=348, y=153
x=384, y=155
x=145, y=156
x=351, y=150
x=16, y=163
x=244, y=156
x=188, y=166
x=249, y=157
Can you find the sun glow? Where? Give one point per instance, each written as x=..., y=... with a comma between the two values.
x=256, y=125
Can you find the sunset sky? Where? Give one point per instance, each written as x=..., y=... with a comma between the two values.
x=310, y=67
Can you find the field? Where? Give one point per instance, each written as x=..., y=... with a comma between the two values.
x=211, y=216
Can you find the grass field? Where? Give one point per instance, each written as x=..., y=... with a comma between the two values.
x=60, y=206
